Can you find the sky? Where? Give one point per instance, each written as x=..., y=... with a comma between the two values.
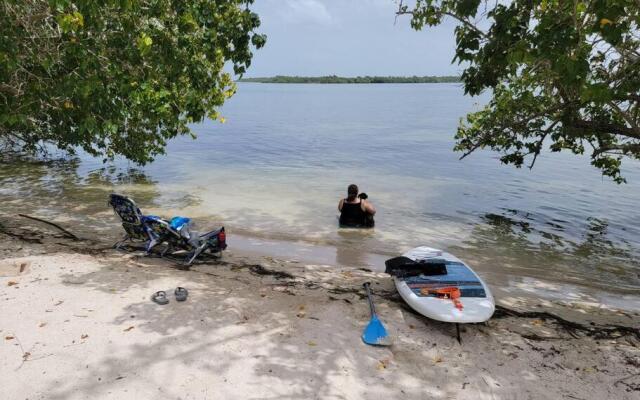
x=348, y=38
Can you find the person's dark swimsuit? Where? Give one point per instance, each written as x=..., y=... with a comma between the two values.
x=352, y=215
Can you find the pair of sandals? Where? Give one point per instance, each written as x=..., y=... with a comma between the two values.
x=160, y=297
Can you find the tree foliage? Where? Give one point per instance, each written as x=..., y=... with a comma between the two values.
x=117, y=77
x=565, y=75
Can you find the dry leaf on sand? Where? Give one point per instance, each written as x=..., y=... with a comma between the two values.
x=382, y=364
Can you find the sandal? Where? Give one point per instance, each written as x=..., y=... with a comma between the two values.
x=160, y=297
x=181, y=293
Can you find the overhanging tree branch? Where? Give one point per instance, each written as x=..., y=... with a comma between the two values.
x=571, y=67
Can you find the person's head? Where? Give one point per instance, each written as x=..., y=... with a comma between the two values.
x=352, y=192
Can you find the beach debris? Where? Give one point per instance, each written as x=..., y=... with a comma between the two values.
x=22, y=267
x=312, y=343
x=84, y=336
x=438, y=359
x=25, y=356
x=12, y=283
x=128, y=329
x=59, y=302
x=9, y=337
x=382, y=364
x=571, y=327
x=301, y=312
x=42, y=325
x=258, y=269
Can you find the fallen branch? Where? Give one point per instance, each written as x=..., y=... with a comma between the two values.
x=66, y=232
x=25, y=355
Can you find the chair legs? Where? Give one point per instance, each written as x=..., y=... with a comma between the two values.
x=196, y=252
x=121, y=241
x=168, y=249
x=155, y=240
x=151, y=243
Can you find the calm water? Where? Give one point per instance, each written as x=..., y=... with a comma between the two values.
x=279, y=165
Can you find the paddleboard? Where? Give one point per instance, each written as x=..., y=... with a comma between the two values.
x=436, y=296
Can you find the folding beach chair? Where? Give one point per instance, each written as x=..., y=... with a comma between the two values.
x=153, y=230
x=132, y=220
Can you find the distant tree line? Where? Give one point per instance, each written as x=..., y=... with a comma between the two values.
x=357, y=79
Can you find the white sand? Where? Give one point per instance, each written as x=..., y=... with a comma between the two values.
x=78, y=326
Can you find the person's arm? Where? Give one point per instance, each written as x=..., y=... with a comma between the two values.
x=340, y=203
x=368, y=207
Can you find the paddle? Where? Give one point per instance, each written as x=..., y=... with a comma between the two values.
x=375, y=333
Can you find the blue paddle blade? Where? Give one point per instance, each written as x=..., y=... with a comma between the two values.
x=375, y=333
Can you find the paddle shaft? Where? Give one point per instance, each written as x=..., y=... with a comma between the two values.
x=373, y=309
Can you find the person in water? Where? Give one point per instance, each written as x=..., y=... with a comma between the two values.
x=356, y=210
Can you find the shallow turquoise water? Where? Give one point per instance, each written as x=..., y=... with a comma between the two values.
x=283, y=159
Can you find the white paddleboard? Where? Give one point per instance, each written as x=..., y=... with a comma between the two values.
x=475, y=304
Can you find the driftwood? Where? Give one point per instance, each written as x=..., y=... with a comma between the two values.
x=66, y=232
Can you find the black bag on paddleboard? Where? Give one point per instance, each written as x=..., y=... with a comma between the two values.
x=403, y=267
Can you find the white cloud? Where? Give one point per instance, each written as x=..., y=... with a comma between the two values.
x=304, y=11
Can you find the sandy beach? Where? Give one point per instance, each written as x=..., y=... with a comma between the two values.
x=78, y=323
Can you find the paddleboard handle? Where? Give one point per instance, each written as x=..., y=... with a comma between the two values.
x=366, y=287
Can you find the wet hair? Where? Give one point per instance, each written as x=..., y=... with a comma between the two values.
x=352, y=192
